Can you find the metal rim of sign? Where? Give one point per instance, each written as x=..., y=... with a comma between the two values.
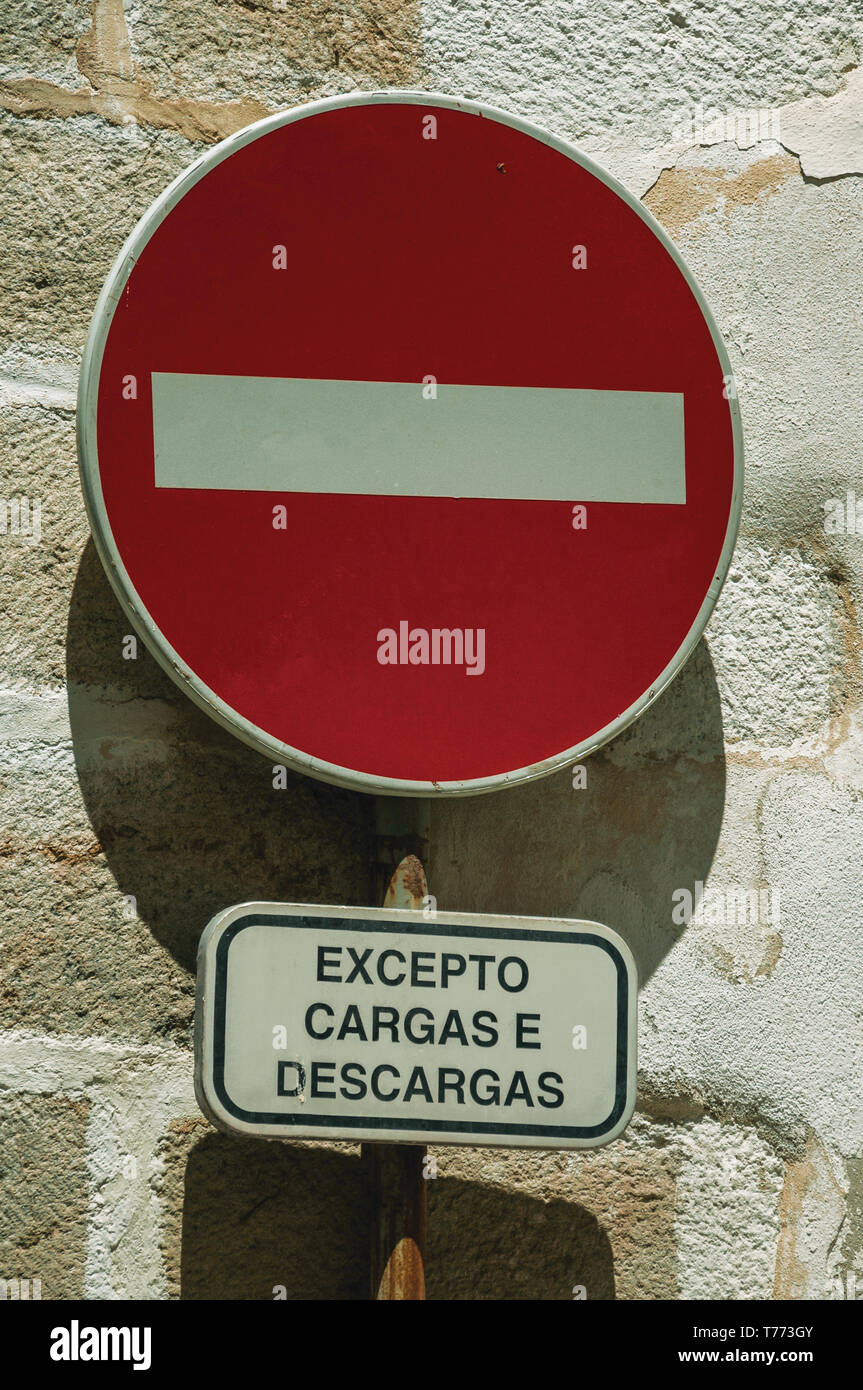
x=164, y=653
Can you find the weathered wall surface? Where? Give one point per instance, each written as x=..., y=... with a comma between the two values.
x=128, y=819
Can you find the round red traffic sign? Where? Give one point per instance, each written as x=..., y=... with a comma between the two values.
x=410, y=444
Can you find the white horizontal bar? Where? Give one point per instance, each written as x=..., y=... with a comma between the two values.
x=385, y=438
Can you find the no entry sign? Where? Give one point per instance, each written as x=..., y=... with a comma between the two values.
x=409, y=445
x=352, y=1023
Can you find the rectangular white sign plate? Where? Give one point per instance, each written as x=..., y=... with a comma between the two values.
x=382, y=1025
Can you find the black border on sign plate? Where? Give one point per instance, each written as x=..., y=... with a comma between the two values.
x=256, y=1117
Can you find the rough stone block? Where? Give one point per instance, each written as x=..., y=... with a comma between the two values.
x=43, y=1176
x=73, y=191
x=275, y=53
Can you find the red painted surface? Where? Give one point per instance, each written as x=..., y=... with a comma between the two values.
x=410, y=257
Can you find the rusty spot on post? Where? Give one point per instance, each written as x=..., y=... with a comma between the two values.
x=408, y=885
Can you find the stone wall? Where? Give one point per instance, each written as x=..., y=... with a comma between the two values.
x=128, y=819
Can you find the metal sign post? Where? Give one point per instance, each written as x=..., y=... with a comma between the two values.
x=397, y=1171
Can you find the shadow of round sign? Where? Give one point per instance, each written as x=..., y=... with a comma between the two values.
x=409, y=444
